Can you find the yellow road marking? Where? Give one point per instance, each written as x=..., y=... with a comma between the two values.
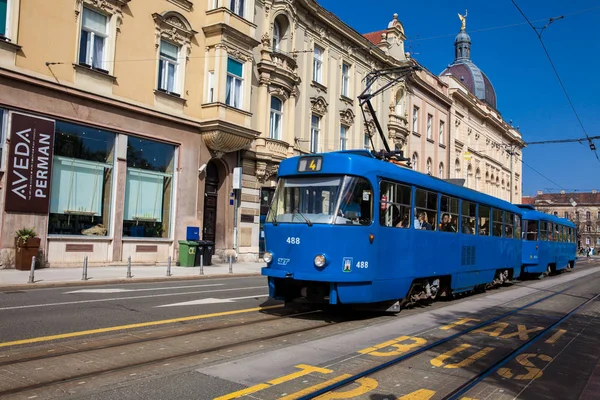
x=131, y=326
x=314, y=388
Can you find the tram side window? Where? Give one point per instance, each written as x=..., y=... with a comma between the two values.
x=508, y=224
x=395, y=205
x=484, y=220
x=557, y=233
x=531, y=230
x=469, y=216
x=356, y=206
x=550, y=230
x=497, y=227
x=517, y=227
x=543, y=230
x=449, y=213
x=425, y=210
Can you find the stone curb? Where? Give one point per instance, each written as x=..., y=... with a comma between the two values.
x=42, y=285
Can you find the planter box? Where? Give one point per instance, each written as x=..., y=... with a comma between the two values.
x=24, y=252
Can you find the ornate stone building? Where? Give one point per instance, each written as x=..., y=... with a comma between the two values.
x=486, y=150
x=581, y=208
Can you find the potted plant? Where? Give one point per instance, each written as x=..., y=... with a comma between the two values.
x=27, y=245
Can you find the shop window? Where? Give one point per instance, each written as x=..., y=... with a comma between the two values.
x=148, y=188
x=82, y=175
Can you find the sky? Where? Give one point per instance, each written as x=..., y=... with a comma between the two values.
x=508, y=51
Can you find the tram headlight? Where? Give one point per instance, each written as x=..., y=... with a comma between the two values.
x=320, y=261
x=268, y=257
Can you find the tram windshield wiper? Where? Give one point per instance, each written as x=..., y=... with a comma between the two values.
x=303, y=216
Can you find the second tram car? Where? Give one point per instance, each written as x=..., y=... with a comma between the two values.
x=348, y=228
x=549, y=242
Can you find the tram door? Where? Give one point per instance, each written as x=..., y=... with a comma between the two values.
x=266, y=196
x=210, y=203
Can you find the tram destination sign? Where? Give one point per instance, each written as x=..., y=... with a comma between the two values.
x=29, y=164
x=310, y=164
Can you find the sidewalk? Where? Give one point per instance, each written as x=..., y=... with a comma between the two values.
x=11, y=279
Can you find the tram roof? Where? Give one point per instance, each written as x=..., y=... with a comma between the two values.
x=363, y=163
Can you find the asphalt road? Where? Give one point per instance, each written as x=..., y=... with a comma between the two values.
x=43, y=312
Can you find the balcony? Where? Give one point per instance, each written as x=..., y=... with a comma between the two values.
x=279, y=68
x=223, y=136
x=269, y=153
x=397, y=127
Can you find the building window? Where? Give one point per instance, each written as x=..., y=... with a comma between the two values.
x=415, y=161
x=400, y=103
x=429, y=166
x=367, y=141
x=168, y=68
x=3, y=18
x=441, y=171
x=587, y=241
x=148, y=188
x=318, y=65
x=276, y=35
x=556, y=213
x=429, y=122
x=211, y=86
x=588, y=228
x=566, y=214
x=343, y=137
x=415, y=119
x=3, y=127
x=588, y=215
x=276, y=114
x=82, y=175
x=315, y=132
x=233, y=93
x=345, y=80
x=93, y=40
x=237, y=7
x=441, y=139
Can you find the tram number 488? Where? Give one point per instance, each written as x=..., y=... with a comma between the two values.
x=293, y=240
x=362, y=264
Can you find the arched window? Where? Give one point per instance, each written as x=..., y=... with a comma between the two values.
x=276, y=117
x=415, y=160
x=457, y=168
x=429, y=166
x=441, y=171
x=588, y=215
x=400, y=103
x=276, y=35
x=469, y=175
x=477, y=178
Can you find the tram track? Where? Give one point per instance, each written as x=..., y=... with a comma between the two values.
x=462, y=389
x=68, y=356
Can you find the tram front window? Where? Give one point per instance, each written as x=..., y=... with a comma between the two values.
x=322, y=200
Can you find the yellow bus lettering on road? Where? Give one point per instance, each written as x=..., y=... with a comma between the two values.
x=439, y=360
x=525, y=360
x=366, y=385
x=522, y=332
x=396, y=343
x=556, y=336
x=304, y=370
x=457, y=323
x=492, y=330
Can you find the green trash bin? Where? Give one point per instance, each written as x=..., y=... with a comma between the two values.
x=187, y=252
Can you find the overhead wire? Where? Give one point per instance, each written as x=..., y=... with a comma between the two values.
x=538, y=33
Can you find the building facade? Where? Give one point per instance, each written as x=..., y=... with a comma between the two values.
x=129, y=120
x=583, y=209
x=122, y=124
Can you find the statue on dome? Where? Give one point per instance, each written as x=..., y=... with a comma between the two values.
x=463, y=20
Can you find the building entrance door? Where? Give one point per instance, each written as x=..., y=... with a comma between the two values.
x=210, y=203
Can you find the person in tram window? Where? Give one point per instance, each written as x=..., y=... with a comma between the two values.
x=417, y=221
x=446, y=225
x=350, y=208
x=423, y=220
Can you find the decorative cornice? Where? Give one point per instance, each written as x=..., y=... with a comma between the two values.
x=111, y=7
x=185, y=4
x=318, y=105
x=174, y=27
x=347, y=117
x=225, y=137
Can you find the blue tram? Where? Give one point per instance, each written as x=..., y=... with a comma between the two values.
x=348, y=228
x=549, y=242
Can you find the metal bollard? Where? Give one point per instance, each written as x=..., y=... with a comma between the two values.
x=84, y=275
x=31, y=272
x=129, y=267
x=169, y=266
x=202, y=264
x=231, y=264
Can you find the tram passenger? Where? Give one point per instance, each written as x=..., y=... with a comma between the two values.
x=446, y=225
x=425, y=225
x=417, y=221
x=468, y=227
x=350, y=208
x=484, y=229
